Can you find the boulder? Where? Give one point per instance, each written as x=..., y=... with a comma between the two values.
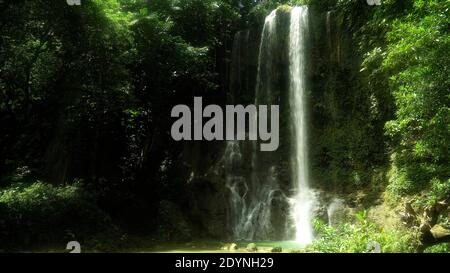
x=233, y=247
x=439, y=232
x=277, y=249
x=252, y=247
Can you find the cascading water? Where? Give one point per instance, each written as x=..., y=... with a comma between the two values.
x=263, y=181
x=252, y=194
x=266, y=71
x=303, y=202
x=258, y=207
x=237, y=186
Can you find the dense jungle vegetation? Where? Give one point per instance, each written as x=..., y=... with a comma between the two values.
x=86, y=93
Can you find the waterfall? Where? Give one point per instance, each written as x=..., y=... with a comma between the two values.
x=252, y=192
x=266, y=71
x=334, y=211
x=303, y=201
x=237, y=187
x=258, y=183
x=263, y=180
x=251, y=186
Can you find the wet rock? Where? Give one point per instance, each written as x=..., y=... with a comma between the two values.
x=337, y=212
x=439, y=231
x=277, y=249
x=207, y=213
x=252, y=247
x=230, y=247
x=233, y=247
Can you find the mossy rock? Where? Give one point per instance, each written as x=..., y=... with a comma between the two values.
x=277, y=249
x=252, y=247
x=286, y=9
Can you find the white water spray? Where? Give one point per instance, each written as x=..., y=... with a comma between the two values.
x=304, y=200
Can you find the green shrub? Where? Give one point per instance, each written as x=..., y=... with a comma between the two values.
x=416, y=59
x=439, y=190
x=38, y=214
x=442, y=248
x=358, y=237
x=400, y=183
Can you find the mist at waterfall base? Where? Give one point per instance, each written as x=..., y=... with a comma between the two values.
x=251, y=198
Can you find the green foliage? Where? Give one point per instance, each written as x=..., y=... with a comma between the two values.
x=440, y=190
x=43, y=214
x=442, y=248
x=417, y=61
x=358, y=237
x=402, y=184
